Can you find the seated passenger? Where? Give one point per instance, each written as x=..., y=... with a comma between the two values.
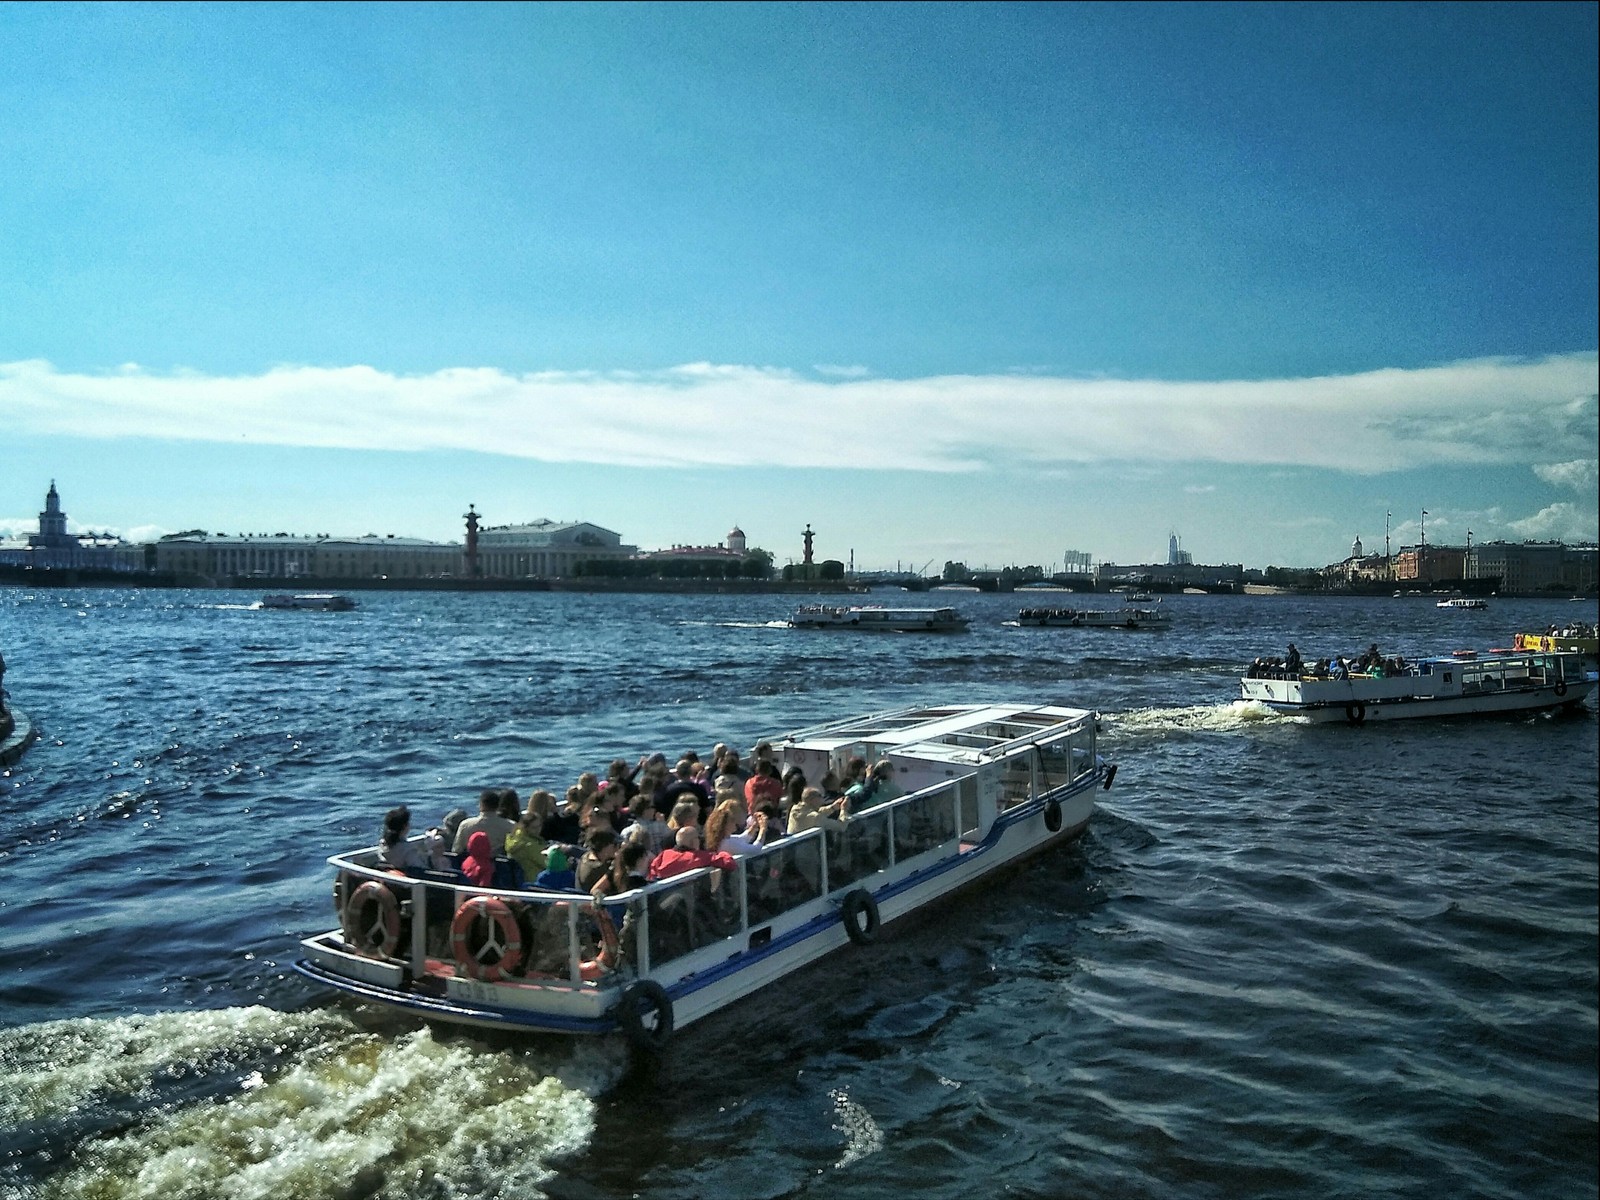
x=648, y=829
x=525, y=843
x=510, y=806
x=448, y=826
x=726, y=829
x=632, y=862
x=687, y=856
x=814, y=811
x=478, y=865
x=489, y=820
x=565, y=826
x=394, y=850
x=557, y=875
x=599, y=848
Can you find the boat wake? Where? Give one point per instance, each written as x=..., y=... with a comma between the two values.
x=252, y=1102
x=1197, y=718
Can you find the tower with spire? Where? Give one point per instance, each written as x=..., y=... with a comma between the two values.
x=52, y=533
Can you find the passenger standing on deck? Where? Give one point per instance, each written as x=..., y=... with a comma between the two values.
x=488, y=820
x=1292, y=662
x=762, y=787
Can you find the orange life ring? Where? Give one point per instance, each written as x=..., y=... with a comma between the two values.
x=500, y=937
x=592, y=969
x=371, y=920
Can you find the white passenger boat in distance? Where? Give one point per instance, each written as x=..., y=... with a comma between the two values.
x=1461, y=684
x=1462, y=602
x=1088, y=618
x=878, y=618
x=976, y=788
x=310, y=602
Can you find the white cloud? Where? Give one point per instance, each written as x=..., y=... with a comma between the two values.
x=1560, y=522
x=1577, y=475
x=1487, y=410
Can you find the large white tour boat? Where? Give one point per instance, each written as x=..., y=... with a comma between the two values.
x=976, y=788
x=1461, y=684
x=1089, y=618
x=1472, y=602
x=876, y=617
x=310, y=601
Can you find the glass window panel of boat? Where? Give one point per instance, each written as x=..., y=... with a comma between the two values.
x=671, y=921
x=546, y=928
x=924, y=823
x=857, y=850
x=967, y=804
x=782, y=878
x=1016, y=779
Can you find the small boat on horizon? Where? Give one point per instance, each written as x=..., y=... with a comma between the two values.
x=878, y=618
x=310, y=602
x=1462, y=602
x=1090, y=618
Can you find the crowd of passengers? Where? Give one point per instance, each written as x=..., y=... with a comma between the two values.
x=1292, y=666
x=638, y=824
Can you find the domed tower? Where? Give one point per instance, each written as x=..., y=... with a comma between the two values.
x=1355, y=550
x=52, y=533
x=736, y=540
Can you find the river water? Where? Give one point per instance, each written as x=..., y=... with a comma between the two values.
x=1284, y=960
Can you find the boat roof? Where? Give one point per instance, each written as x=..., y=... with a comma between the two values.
x=963, y=733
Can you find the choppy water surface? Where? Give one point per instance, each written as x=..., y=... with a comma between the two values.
x=1285, y=961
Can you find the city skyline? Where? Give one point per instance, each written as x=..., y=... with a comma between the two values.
x=946, y=283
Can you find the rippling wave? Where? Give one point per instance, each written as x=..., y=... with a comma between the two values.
x=1284, y=960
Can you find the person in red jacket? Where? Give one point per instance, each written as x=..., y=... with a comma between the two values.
x=686, y=855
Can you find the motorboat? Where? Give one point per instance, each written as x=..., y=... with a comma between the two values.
x=974, y=789
x=878, y=618
x=310, y=601
x=1578, y=639
x=1462, y=602
x=1460, y=684
x=1088, y=618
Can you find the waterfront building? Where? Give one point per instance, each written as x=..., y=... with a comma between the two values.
x=246, y=556
x=546, y=549
x=726, y=557
x=54, y=549
x=1534, y=566
x=1421, y=564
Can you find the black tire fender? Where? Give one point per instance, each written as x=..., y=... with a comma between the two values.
x=1111, y=774
x=1355, y=712
x=1561, y=688
x=641, y=1001
x=1052, y=816
x=859, y=912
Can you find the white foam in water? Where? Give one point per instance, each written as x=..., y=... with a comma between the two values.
x=862, y=1134
x=1206, y=718
x=349, y=1114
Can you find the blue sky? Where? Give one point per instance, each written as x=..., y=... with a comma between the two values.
x=978, y=282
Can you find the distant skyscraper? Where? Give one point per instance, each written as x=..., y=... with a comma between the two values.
x=1172, y=550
